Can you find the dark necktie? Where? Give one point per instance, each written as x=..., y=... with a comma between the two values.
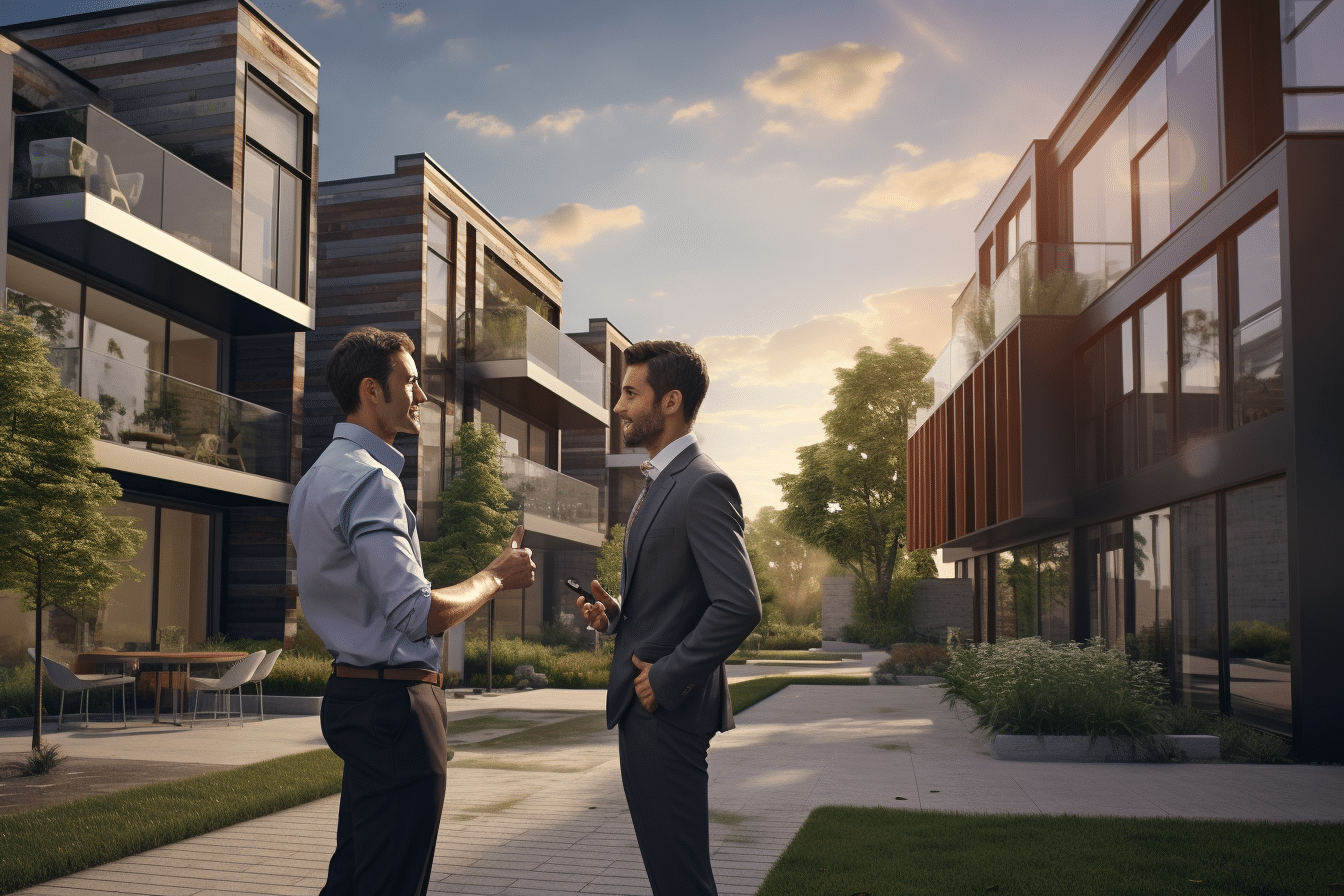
x=646, y=468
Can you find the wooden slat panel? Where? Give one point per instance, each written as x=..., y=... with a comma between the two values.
x=980, y=459
x=1003, y=477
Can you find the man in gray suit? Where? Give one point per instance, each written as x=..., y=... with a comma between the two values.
x=689, y=599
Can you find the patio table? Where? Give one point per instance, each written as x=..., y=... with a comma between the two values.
x=165, y=661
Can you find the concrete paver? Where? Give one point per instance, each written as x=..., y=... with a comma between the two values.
x=518, y=821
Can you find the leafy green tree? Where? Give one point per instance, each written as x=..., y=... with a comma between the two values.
x=475, y=520
x=848, y=497
x=61, y=549
x=609, y=561
x=793, y=567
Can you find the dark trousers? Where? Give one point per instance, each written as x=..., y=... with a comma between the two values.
x=393, y=738
x=665, y=773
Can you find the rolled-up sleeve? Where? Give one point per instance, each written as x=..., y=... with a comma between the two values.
x=374, y=525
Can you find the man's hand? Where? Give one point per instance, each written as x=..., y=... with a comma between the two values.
x=514, y=567
x=595, y=613
x=643, y=687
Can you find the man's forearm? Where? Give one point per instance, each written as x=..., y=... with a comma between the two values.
x=453, y=604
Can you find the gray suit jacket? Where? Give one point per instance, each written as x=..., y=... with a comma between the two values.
x=688, y=596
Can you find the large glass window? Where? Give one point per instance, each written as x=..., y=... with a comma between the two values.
x=272, y=190
x=1313, y=65
x=504, y=288
x=1259, y=646
x=1101, y=193
x=1192, y=109
x=53, y=303
x=1055, y=593
x=1154, y=404
x=1257, y=341
x=1194, y=554
x=1154, y=196
x=126, y=617
x=1199, y=374
x=1151, y=562
x=182, y=599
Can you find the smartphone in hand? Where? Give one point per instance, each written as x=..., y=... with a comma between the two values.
x=573, y=585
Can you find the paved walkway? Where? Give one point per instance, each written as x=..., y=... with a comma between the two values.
x=547, y=818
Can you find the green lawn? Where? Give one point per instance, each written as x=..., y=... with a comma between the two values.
x=754, y=690
x=894, y=852
x=59, y=840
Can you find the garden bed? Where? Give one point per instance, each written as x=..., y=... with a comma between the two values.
x=1081, y=748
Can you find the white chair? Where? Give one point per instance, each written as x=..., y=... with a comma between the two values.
x=239, y=674
x=267, y=664
x=69, y=681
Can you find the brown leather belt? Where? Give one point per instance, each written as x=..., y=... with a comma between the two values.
x=398, y=673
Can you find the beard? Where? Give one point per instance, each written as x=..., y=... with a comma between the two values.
x=644, y=429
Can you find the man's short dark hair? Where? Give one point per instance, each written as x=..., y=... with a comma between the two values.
x=672, y=365
x=365, y=352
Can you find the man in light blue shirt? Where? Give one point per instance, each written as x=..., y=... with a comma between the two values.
x=363, y=590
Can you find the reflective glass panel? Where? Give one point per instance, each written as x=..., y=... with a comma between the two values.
x=1258, y=275
x=123, y=621
x=289, y=198
x=119, y=329
x=1055, y=594
x=1257, y=605
x=193, y=356
x=260, y=176
x=1101, y=199
x=1106, y=582
x=52, y=303
x=1192, y=110
x=274, y=123
x=1194, y=576
x=1315, y=55
x=184, y=573
x=503, y=287
x=1148, y=110
x=1015, y=604
x=1313, y=112
x=1199, y=352
x=1152, y=636
x=1154, y=196
x=1257, y=360
x=1154, y=398
x=431, y=468
x=438, y=232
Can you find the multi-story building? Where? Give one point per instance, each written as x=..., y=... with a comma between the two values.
x=414, y=251
x=1136, y=424
x=160, y=229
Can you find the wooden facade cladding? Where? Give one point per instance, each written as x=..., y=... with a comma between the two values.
x=965, y=471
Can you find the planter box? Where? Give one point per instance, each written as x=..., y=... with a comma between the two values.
x=1074, y=748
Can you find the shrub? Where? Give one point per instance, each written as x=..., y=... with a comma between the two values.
x=1260, y=640
x=42, y=761
x=1027, y=686
x=562, y=668
x=912, y=659
x=787, y=636
x=878, y=635
x=1237, y=742
x=298, y=675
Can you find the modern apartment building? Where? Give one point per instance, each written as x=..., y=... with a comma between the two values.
x=414, y=251
x=161, y=230
x=1136, y=425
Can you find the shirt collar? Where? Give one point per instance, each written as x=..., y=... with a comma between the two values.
x=382, y=452
x=669, y=453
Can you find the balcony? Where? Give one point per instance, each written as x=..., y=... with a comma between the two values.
x=517, y=355
x=173, y=420
x=96, y=194
x=557, y=510
x=1042, y=279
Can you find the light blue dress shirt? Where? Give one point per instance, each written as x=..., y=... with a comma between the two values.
x=361, y=579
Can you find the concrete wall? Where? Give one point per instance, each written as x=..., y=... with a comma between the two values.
x=837, y=605
x=941, y=604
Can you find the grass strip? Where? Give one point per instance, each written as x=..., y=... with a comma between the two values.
x=892, y=852
x=754, y=690
x=42, y=844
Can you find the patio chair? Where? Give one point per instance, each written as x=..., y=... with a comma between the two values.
x=232, y=680
x=267, y=664
x=69, y=681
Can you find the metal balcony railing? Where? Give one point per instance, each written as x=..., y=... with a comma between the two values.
x=83, y=149
x=518, y=333
x=155, y=412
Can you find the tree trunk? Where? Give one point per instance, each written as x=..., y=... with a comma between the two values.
x=37, y=666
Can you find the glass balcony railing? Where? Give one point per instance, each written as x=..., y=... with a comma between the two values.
x=537, y=489
x=517, y=333
x=155, y=412
x=1041, y=279
x=85, y=150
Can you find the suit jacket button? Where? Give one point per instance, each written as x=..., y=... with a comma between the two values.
x=687, y=689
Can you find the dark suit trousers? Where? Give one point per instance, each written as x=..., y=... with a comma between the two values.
x=393, y=738
x=666, y=777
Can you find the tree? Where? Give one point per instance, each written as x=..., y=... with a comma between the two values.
x=61, y=549
x=475, y=520
x=792, y=566
x=848, y=497
x=609, y=557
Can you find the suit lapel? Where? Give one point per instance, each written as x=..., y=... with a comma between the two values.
x=648, y=511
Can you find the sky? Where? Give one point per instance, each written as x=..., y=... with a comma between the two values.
x=777, y=182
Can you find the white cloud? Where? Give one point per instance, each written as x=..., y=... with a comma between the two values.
x=810, y=351
x=408, y=21
x=911, y=149
x=486, y=125
x=839, y=182
x=572, y=225
x=703, y=109
x=327, y=8
x=777, y=127
x=931, y=186
x=502, y=67
x=559, y=123
x=839, y=82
